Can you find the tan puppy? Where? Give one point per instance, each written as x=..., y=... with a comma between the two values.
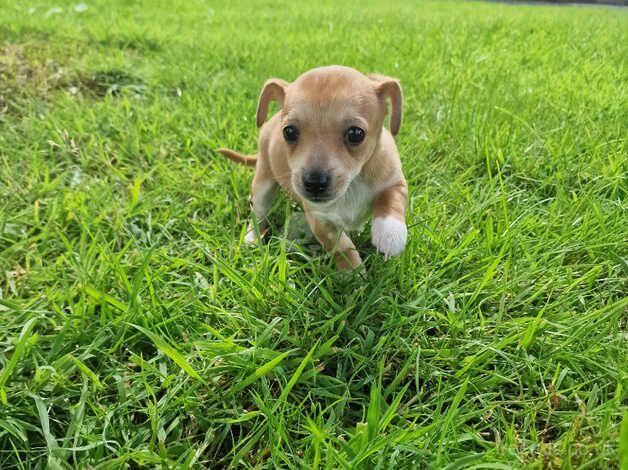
x=328, y=148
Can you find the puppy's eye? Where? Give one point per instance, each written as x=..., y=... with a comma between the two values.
x=354, y=135
x=291, y=134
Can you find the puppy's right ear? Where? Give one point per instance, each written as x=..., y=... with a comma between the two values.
x=390, y=88
x=274, y=90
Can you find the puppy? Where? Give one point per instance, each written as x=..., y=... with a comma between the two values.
x=328, y=148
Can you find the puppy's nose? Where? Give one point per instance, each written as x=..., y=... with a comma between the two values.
x=316, y=182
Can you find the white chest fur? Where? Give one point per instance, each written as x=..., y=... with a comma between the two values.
x=352, y=209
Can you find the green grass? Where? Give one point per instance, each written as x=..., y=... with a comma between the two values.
x=136, y=329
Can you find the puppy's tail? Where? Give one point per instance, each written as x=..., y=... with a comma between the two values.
x=248, y=160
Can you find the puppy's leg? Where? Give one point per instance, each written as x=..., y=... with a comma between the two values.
x=389, y=232
x=335, y=241
x=263, y=191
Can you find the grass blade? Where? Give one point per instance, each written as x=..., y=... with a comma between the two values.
x=170, y=351
x=87, y=371
x=260, y=371
x=20, y=345
x=623, y=442
x=295, y=377
x=103, y=297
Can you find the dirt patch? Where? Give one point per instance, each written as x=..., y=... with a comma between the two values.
x=108, y=82
x=22, y=74
x=33, y=69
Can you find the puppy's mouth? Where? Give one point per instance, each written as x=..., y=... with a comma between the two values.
x=319, y=199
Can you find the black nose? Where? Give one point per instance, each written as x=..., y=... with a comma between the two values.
x=316, y=183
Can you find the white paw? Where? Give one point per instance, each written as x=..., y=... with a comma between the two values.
x=251, y=237
x=389, y=235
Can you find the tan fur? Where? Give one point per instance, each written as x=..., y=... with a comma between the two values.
x=322, y=104
x=248, y=160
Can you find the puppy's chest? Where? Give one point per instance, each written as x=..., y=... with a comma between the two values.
x=352, y=210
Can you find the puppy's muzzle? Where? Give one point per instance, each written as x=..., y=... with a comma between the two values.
x=316, y=185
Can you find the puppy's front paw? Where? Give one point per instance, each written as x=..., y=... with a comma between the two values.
x=252, y=237
x=389, y=235
x=348, y=260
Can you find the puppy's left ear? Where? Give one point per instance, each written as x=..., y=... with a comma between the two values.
x=273, y=90
x=388, y=87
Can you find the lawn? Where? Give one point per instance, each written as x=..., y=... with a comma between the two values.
x=138, y=331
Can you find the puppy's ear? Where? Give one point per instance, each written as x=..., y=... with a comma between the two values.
x=388, y=87
x=274, y=90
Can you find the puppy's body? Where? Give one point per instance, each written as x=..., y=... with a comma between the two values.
x=328, y=149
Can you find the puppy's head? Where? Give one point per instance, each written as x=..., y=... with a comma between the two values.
x=331, y=121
